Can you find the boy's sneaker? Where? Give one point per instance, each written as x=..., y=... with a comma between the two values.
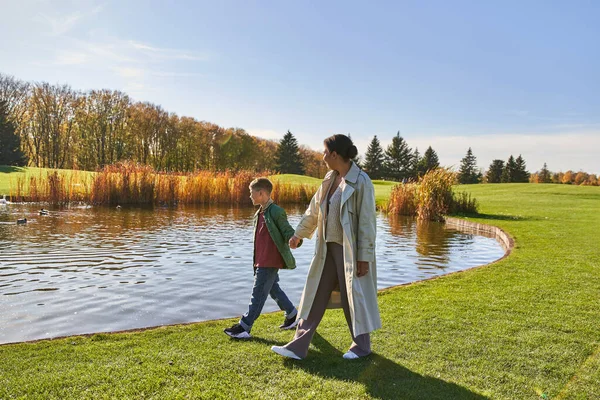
x=289, y=323
x=238, y=332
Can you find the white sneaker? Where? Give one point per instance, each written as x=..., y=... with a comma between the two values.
x=282, y=351
x=350, y=355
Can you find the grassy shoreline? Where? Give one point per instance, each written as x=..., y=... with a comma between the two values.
x=524, y=327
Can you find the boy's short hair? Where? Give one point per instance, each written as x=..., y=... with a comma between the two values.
x=261, y=184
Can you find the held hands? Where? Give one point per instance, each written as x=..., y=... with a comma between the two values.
x=362, y=268
x=294, y=241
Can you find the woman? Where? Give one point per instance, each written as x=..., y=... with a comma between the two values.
x=343, y=213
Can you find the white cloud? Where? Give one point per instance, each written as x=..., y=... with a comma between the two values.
x=59, y=24
x=166, y=53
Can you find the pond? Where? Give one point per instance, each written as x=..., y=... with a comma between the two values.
x=97, y=269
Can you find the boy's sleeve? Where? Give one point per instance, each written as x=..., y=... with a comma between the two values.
x=308, y=224
x=284, y=226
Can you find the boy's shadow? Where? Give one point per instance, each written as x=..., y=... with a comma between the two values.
x=382, y=378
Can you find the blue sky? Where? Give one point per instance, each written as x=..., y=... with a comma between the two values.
x=502, y=77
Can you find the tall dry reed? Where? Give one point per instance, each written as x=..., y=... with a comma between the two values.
x=434, y=195
x=403, y=199
x=431, y=198
x=129, y=183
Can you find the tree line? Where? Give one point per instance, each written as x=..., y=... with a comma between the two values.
x=398, y=162
x=59, y=127
x=514, y=171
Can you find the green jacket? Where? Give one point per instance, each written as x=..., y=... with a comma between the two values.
x=281, y=232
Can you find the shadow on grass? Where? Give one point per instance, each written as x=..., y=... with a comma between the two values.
x=8, y=169
x=382, y=377
x=502, y=217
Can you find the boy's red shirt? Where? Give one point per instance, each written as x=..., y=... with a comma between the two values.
x=266, y=254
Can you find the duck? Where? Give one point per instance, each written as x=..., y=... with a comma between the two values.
x=44, y=212
x=21, y=221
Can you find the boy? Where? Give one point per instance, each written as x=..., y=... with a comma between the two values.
x=272, y=232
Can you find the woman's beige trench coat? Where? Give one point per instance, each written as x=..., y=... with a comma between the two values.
x=358, y=218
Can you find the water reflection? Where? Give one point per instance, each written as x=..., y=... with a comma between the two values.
x=85, y=269
x=433, y=241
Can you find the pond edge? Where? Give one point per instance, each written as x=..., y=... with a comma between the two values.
x=505, y=240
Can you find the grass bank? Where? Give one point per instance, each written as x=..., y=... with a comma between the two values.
x=523, y=328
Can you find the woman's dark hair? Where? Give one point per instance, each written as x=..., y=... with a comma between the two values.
x=342, y=145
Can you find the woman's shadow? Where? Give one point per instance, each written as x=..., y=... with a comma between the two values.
x=382, y=378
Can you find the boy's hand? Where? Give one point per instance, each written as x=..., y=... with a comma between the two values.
x=362, y=268
x=294, y=241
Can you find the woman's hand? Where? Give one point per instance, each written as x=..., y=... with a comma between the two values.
x=294, y=241
x=362, y=268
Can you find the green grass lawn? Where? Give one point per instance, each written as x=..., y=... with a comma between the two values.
x=382, y=188
x=526, y=327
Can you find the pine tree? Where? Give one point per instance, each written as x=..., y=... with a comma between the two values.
x=494, y=173
x=545, y=176
x=521, y=173
x=10, y=142
x=288, y=156
x=374, y=157
x=428, y=162
x=468, y=172
x=398, y=159
x=509, y=173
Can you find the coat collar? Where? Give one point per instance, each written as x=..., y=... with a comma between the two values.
x=352, y=175
x=347, y=190
x=263, y=209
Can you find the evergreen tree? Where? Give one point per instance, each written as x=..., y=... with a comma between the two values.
x=288, y=156
x=545, y=176
x=521, y=173
x=398, y=159
x=509, y=173
x=468, y=172
x=10, y=142
x=428, y=162
x=374, y=158
x=494, y=173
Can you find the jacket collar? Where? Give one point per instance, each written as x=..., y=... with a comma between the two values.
x=352, y=175
x=263, y=209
